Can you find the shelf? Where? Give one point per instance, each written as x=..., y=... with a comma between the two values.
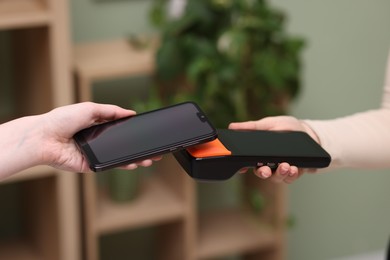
x=154, y=205
x=15, y=14
x=34, y=234
x=43, y=202
x=18, y=250
x=111, y=59
x=231, y=231
x=30, y=174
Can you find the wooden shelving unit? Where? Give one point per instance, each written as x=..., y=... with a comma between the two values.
x=168, y=200
x=39, y=37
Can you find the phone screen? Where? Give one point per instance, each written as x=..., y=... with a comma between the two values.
x=145, y=135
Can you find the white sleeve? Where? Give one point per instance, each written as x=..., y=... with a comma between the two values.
x=361, y=140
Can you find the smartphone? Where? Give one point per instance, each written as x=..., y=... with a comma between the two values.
x=144, y=136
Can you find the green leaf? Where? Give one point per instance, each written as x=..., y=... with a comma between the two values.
x=291, y=222
x=258, y=201
x=179, y=26
x=169, y=61
x=233, y=43
x=198, y=68
x=157, y=14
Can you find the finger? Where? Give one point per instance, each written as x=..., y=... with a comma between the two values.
x=263, y=172
x=131, y=166
x=145, y=163
x=110, y=112
x=267, y=123
x=311, y=171
x=243, y=170
x=249, y=125
x=281, y=172
x=293, y=175
x=88, y=113
x=157, y=158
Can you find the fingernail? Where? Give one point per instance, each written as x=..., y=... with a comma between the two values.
x=265, y=174
x=133, y=166
x=284, y=170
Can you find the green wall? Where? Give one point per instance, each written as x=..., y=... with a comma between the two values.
x=345, y=212
x=105, y=19
x=339, y=213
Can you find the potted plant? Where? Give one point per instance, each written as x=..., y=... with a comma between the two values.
x=123, y=186
x=232, y=57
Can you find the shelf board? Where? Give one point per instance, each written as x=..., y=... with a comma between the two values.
x=155, y=204
x=18, y=250
x=30, y=174
x=110, y=59
x=232, y=231
x=15, y=14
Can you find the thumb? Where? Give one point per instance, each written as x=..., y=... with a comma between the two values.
x=262, y=124
x=249, y=125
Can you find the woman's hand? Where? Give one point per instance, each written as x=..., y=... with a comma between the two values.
x=60, y=125
x=285, y=172
x=47, y=139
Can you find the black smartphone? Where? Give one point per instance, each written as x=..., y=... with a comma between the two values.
x=144, y=136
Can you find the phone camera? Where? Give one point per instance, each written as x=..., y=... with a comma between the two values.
x=202, y=117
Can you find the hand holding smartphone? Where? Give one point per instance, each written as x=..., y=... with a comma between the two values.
x=144, y=136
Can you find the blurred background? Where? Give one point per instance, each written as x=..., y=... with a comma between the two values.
x=59, y=52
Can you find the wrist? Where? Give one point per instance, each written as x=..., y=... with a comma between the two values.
x=21, y=147
x=310, y=132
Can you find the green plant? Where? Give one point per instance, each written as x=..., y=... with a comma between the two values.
x=232, y=57
x=123, y=185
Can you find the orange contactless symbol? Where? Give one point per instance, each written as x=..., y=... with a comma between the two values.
x=210, y=149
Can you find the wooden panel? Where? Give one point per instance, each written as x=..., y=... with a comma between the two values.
x=232, y=231
x=60, y=54
x=18, y=250
x=275, y=210
x=154, y=205
x=42, y=217
x=23, y=14
x=68, y=216
x=112, y=59
x=183, y=186
x=30, y=174
x=171, y=241
x=32, y=70
x=89, y=196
